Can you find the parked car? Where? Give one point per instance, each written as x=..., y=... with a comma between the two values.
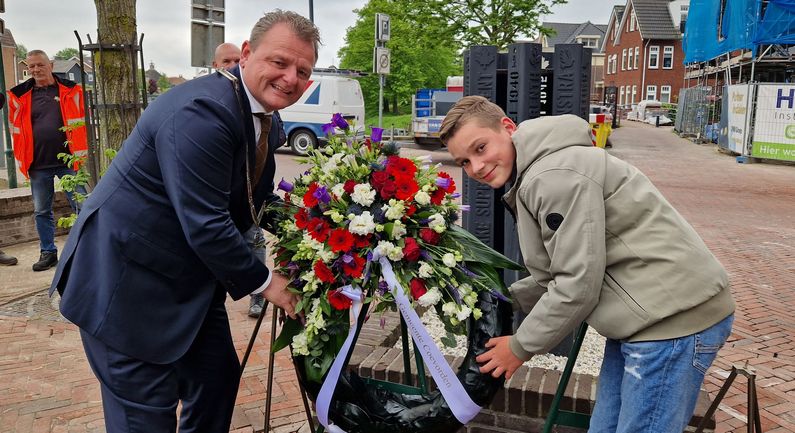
x=329, y=91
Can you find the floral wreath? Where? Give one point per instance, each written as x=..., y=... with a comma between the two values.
x=365, y=220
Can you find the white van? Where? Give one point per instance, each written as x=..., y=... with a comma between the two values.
x=328, y=91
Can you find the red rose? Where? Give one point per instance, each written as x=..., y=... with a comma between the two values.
x=388, y=190
x=400, y=167
x=338, y=301
x=319, y=229
x=340, y=240
x=349, y=184
x=322, y=272
x=378, y=179
x=301, y=219
x=438, y=196
x=355, y=268
x=411, y=209
x=430, y=236
x=417, y=288
x=309, y=198
x=411, y=251
x=406, y=188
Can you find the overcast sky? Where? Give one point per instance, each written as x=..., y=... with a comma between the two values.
x=49, y=25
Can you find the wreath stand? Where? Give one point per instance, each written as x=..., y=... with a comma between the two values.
x=564, y=417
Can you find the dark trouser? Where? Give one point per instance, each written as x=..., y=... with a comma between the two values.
x=138, y=396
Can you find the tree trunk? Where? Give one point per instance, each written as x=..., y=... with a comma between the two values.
x=116, y=66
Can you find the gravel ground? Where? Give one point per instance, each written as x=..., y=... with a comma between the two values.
x=588, y=361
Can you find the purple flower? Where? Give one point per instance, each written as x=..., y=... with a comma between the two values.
x=443, y=182
x=455, y=293
x=455, y=195
x=382, y=287
x=499, y=295
x=322, y=195
x=328, y=128
x=467, y=272
x=465, y=207
x=376, y=133
x=285, y=186
x=339, y=121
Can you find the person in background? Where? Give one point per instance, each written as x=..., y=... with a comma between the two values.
x=602, y=245
x=39, y=109
x=158, y=245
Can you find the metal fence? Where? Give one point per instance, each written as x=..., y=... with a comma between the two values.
x=694, y=111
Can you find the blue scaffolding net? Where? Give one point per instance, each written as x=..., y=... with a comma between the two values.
x=778, y=23
x=716, y=27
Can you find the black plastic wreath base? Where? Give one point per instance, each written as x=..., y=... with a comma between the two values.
x=361, y=406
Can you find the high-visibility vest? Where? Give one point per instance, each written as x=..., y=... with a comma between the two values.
x=20, y=98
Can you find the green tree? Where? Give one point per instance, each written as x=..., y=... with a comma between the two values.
x=423, y=52
x=67, y=53
x=162, y=83
x=22, y=52
x=492, y=22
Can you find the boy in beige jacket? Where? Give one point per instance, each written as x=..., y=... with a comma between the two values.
x=602, y=245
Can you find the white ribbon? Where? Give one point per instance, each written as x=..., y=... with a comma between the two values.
x=462, y=407
x=327, y=390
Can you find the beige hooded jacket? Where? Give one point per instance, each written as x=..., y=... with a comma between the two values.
x=603, y=245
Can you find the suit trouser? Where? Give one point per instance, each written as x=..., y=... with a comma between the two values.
x=139, y=396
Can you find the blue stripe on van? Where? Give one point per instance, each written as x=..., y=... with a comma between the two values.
x=314, y=98
x=317, y=128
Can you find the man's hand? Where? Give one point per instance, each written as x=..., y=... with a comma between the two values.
x=500, y=359
x=277, y=294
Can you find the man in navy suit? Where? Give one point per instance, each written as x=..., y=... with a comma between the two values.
x=158, y=243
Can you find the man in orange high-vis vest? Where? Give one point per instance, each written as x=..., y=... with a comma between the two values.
x=38, y=110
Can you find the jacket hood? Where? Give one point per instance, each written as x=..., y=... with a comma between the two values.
x=537, y=138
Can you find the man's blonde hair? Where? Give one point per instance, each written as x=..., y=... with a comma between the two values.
x=487, y=113
x=300, y=25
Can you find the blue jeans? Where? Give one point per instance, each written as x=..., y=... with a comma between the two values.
x=652, y=386
x=42, y=187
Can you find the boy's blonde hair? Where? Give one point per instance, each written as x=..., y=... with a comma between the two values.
x=487, y=113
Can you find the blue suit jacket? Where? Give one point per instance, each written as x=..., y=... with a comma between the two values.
x=162, y=229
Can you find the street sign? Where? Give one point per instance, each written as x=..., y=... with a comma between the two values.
x=206, y=31
x=381, y=60
x=382, y=27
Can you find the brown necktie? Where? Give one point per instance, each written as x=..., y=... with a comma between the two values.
x=261, y=154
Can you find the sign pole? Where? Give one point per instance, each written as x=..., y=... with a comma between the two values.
x=380, y=100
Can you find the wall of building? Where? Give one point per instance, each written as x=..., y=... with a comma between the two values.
x=16, y=215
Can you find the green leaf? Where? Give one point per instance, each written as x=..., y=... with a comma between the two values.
x=474, y=250
x=290, y=329
x=491, y=276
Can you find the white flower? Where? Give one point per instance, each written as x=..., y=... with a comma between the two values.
x=476, y=313
x=464, y=289
x=383, y=248
x=449, y=260
x=394, y=210
x=297, y=200
x=422, y=197
x=426, y=270
x=395, y=254
x=437, y=223
x=315, y=320
x=350, y=160
x=362, y=224
x=338, y=189
x=363, y=194
x=336, y=216
x=431, y=297
x=463, y=312
x=398, y=230
x=300, y=344
x=327, y=255
x=449, y=308
x=332, y=163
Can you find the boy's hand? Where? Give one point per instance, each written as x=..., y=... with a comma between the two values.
x=500, y=359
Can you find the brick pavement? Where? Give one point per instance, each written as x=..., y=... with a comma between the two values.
x=743, y=212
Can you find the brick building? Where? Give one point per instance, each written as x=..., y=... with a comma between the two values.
x=643, y=50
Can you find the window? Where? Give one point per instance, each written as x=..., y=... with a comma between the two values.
x=632, y=22
x=90, y=77
x=637, y=54
x=651, y=93
x=665, y=93
x=588, y=41
x=626, y=96
x=621, y=95
x=668, y=57
x=630, y=65
x=634, y=93
x=683, y=9
x=615, y=63
x=623, y=60
x=654, y=57
x=72, y=76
